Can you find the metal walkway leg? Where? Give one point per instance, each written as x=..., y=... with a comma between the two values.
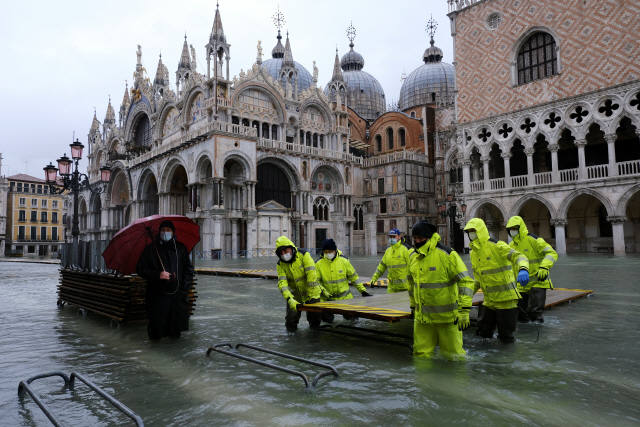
x=68, y=382
x=331, y=371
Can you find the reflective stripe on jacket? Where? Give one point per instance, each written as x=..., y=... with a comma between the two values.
x=493, y=264
x=396, y=260
x=336, y=275
x=538, y=252
x=442, y=285
x=297, y=278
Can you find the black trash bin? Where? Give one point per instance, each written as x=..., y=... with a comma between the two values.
x=216, y=253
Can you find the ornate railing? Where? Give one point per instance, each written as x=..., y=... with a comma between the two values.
x=305, y=150
x=568, y=175
x=394, y=157
x=519, y=181
x=497, y=183
x=542, y=178
x=629, y=168
x=476, y=186
x=598, y=171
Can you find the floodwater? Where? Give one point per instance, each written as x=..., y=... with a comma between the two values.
x=584, y=369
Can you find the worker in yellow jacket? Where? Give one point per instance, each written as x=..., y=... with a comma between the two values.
x=297, y=281
x=541, y=258
x=335, y=274
x=493, y=261
x=396, y=260
x=441, y=295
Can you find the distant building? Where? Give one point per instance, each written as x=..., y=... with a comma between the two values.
x=35, y=218
x=547, y=120
x=4, y=194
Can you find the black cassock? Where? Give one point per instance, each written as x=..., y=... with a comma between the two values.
x=166, y=300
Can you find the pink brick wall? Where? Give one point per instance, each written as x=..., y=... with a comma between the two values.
x=599, y=44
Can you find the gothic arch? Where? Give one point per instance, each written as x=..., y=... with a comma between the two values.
x=312, y=102
x=335, y=172
x=272, y=94
x=289, y=170
x=203, y=157
x=186, y=106
x=566, y=203
x=115, y=175
x=171, y=166
x=621, y=209
x=145, y=176
x=135, y=114
x=166, y=109
x=615, y=124
x=474, y=209
x=240, y=157
x=515, y=210
x=469, y=149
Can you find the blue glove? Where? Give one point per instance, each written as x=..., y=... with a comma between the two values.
x=523, y=277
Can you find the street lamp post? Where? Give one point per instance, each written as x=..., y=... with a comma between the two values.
x=74, y=181
x=449, y=210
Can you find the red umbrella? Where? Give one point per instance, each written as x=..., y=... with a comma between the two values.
x=125, y=248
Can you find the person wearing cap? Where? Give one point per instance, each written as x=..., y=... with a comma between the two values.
x=297, y=281
x=541, y=258
x=396, y=260
x=335, y=274
x=166, y=267
x=440, y=296
x=493, y=261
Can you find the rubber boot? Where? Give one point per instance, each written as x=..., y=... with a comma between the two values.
x=486, y=322
x=537, y=300
x=522, y=305
x=507, y=322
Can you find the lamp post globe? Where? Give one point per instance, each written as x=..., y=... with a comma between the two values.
x=105, y=173
x=64, y=165
x=50, y=173
x=76, y=150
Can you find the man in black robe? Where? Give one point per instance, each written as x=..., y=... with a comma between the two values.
x=166, y=267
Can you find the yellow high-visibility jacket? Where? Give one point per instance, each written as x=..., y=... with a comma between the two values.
x=539, y=253
x=493, y=261
x=442, y=285
x=297, y=278
x=335, y=276
x=396, y=260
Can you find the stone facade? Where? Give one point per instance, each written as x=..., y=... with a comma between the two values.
x=561, y=151
x=4, y=200
x=258, y=155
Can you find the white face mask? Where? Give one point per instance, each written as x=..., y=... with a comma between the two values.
x=473, y=235
x=514, y=233
x=330, y=256
x=393, y=241
x=287, y=257
x=166, y=235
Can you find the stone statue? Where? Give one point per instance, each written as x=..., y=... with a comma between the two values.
x=289, y=89
x=139, y=54
x=315, y=72
x=259, y=49
x=193, y=54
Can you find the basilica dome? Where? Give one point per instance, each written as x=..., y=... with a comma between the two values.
x=274, y=65
x=364, y=92
x=432, y=82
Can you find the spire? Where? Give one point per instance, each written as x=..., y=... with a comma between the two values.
x=125, y=98
x=217, y=33
x=185, y=58
x=337, y=71
x=352, y=60
x=159, y=80
x=95, y=124
x=288, y=56
x=110, y=117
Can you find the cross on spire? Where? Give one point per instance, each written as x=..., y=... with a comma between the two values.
x=432, y=26
x=351, y=33
x=278, y=19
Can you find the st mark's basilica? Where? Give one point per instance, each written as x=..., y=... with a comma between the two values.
x=538, y=117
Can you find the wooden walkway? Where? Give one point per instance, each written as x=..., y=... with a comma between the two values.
x=395, y=307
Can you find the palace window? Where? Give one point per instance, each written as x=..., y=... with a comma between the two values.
x=383, y=205
x=537, y=58
x=378, y=143
x=358, y=214
x=321, y=209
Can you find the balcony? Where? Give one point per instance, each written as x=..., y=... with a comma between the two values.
x=394, y=157
x=223, y=103
x=306, y=151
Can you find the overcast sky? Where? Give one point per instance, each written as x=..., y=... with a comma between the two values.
x=63, y=58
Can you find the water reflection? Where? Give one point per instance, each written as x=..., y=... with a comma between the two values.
x=582, y=371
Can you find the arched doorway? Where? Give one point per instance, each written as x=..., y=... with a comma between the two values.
x=587, y=227
x=178, y=192
x=273, y=184
x=494, y=220
x=149, y=195
x=632, y=224
x=119, y=200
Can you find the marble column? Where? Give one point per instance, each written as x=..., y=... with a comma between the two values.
x=611, y=145
x=485, y=170
x=530, y=179
x=234, y=237
x=555, y=172
x=507, y=169
x=561, y=244
x=370, y=233
x=582, y=165
x=466, y=177
x=617, y=224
